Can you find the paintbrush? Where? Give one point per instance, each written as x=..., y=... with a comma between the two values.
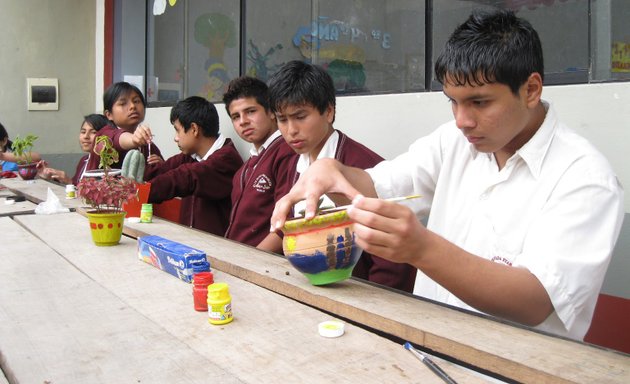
x=429, y=363
x=392, y=199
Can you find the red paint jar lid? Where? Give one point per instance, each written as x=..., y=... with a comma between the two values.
x=203, y=278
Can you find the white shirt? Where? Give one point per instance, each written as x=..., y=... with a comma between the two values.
x=270, y=139
x=218, y=144
x=327, y=152
x=556, y=209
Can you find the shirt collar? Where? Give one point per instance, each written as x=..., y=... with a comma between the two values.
x=267, y=143
x=533, y=152
x=328, y=152
x=218, y=143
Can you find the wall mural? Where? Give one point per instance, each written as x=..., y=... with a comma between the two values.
x=260, y=67
x=620, y=57
x=215, y=31
x=159, y=6
x=342, y=56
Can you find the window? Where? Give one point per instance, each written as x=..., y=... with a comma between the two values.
x=194, y=47
x=611, y=40
x=367, y=46
x=564, y=28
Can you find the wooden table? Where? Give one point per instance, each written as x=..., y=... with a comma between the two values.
x=11, y=208
x=36, y=191
x=74, y=312
x=270, y=341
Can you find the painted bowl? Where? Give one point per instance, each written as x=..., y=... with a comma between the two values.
x=322, y=248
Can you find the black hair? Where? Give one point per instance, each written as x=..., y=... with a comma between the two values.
x=97, y=121
x=116, y=90
x=195, y=109
x=491, y=47
x=246, y=86
x=4, y=134
x=300, y=83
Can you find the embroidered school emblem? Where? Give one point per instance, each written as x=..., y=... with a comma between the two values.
x=262, y=183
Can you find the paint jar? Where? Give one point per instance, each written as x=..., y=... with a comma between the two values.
x=201, y=281
x=71, y=191
x=146, y=213
x=219, y=304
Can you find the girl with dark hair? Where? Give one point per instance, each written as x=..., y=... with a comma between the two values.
x=124, y=105
x=88, y=132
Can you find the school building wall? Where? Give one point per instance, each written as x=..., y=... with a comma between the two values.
x=48, y=39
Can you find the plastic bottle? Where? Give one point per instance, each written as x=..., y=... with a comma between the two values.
x=200, y=266
x=146, y=214
x=201, y=281
x=219, y=304
x=71, y=191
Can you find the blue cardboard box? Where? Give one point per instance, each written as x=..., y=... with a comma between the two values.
x=169, y=256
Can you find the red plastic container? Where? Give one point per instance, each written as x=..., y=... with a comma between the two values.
x=134, y=206
x=201, y=281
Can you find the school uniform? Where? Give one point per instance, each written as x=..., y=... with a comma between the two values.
x=370, y=267
x=114, y=134
x=81, y=168
x=257, y=185
x=205, y=185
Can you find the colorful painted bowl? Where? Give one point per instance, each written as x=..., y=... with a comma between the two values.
x=322, y=248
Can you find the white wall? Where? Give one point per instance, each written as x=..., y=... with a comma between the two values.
x=389, y=123
x=46, y=38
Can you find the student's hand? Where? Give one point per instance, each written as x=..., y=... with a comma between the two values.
x=389, y=230
x=41, y=165
x=52, y=174
x=142, y=135
x=324, y=176
x=154, y=159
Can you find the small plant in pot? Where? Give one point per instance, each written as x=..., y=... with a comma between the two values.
x=23, y=150
x=106, y=195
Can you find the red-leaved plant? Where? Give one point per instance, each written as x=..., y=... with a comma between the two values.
x=106, y=193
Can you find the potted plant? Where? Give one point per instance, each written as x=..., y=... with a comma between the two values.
x=22, y=149
x=106, y=194
x=133, y=167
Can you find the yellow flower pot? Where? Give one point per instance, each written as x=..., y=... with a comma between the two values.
x=106, y=227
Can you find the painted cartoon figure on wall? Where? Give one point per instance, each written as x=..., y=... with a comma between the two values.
x=260, y=67
x=344, y=62
x=216, y=32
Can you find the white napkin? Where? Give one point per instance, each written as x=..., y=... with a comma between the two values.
x=51, y=205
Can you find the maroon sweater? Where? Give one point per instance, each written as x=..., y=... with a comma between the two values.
x=114, y=134
x=370, y=267
x=79, y=170
x=256, y=187
x=204, y=186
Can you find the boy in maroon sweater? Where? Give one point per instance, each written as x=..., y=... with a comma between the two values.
x=202, y=173
x=265, y=177
x=303, y=98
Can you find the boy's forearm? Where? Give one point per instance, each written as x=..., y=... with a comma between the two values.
x=361, y=180
x=271, y=243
